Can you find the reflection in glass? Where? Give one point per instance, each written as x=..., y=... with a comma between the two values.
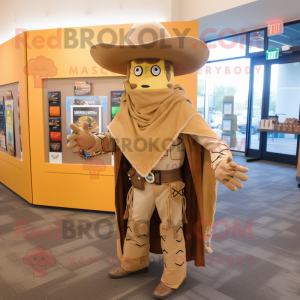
x=201, y=94
x=229, y=47
x=220, y=79
x=257, y=94
x=285, y=103
x=256, y=41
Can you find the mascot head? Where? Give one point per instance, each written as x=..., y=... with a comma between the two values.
x=151, y=57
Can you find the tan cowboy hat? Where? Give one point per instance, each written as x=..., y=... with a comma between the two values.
x=152, y=40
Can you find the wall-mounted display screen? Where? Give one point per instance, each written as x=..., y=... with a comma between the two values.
x=2, y=133
x=2, y=112
x=115, y=102
x=82, y=109
x=10, y=125
x=10, y=135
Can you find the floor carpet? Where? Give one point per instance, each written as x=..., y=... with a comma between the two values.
x=256, y=247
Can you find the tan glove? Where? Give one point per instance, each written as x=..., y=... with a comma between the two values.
x=82, y=139
x=227, y=172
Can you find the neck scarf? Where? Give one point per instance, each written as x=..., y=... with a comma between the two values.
x=148, y=122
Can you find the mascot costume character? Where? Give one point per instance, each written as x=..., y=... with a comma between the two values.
x=165, y=195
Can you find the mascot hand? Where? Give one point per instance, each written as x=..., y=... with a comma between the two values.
x=82, y=139
x=228, y=173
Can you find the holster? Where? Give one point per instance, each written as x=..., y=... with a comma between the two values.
x=137, y=180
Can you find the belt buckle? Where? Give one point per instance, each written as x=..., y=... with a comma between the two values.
x=150, y=178
x=159, y=176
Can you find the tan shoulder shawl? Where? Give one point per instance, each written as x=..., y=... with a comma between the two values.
x=149, y=121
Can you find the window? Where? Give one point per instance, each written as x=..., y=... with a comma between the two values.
x=284, y=103
x=201, y=90
x=290, y=36
x=217, y=80
x=257, y=41
x=229, y=47
x=257, y=96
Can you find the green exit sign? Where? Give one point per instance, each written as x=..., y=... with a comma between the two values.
x=273, y=54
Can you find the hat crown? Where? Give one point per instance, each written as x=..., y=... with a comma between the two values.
x=142, y=33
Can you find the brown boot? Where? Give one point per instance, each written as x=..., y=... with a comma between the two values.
x=162, y=291
x=119, y=272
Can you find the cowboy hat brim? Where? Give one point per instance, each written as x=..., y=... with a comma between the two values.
x=187, y=54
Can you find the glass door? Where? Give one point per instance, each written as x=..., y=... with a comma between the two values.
x=283, y=101
x=256, y=94
x=218, y=80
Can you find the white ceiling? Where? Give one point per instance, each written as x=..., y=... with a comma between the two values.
x=235, y=14
x=193, y=9
x=249, y=16
x=43, y=14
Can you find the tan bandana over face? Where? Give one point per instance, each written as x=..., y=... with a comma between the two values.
x=149, y=121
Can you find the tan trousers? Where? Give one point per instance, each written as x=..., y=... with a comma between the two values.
x=169, y=201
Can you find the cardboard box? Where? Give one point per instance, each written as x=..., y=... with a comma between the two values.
x=291, y=120
x=285, y=127
x=267, y=124
x=279, y=127
x=270, y=125
x=296, y=128
x=290, y=128
x=262, y=124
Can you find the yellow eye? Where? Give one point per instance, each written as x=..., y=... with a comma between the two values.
x=36, y=68
x=45, y=68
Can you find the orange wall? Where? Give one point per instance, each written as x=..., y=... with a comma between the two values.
x=70, y=185
x=14, y=173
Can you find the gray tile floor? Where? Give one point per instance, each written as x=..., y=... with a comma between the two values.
x=256, y=248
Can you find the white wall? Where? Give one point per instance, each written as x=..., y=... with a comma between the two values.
x=194, y=9
x=42, y=14
x=254, y=15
